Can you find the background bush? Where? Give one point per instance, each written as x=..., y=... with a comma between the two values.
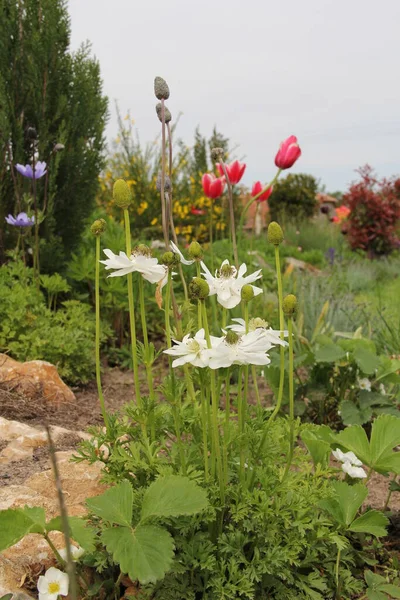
x=294, y=198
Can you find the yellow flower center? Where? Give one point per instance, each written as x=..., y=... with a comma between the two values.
x=54, y=587
x=194, y=346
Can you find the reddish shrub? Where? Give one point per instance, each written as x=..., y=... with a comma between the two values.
x=373, y=222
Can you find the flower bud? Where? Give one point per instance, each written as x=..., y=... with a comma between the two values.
x=167, y=183
x=275, y=233
x=98, y=227
x=195, y=250
x=31, y=133
x=167, y=113
x=161, y=89
x=289, y=305
x=247, y=293
x=170, y=259
x=143, y=250
x=217, y=154
x=231, y=338
x=58, y=147
x=198, y=289
x=122, y=194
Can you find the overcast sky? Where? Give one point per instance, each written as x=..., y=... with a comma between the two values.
x=326, y=71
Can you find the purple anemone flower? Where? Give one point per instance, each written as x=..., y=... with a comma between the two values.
x=21, y=220
x=27, y=171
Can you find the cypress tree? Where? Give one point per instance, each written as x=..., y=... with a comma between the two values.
x=58, y=93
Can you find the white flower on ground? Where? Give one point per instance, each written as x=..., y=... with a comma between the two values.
x=355, y=472
x=349, y=457
x=364, y=384
x=248, y=349
x=52, y=584
x=192, y=350
x=76, y=552
x=176, y=250
x=351, y=464
x=272, y=335
x=144, y=264
x=228, y=282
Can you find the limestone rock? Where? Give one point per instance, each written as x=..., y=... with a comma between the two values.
x=34, y=379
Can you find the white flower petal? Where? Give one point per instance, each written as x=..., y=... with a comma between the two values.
x=354, y=472
x=177, y=251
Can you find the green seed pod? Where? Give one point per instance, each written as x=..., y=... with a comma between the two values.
x=231, y=337
x=275, y=233
x=217, y=154
x=289, y=305
x=161, y=89
x=98, y=227
x=170, y=259
x=198, y=289
x=195, y=250
x=122, y=194
x=226, y=271
x=247, y=293
x=167, y=113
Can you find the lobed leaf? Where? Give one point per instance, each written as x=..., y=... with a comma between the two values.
x=171, y=496
x=115, y=505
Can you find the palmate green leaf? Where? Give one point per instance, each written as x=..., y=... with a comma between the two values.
x=373, y=522
x=344, y=506
x=392, y=590
x=378, y=585
x=329, y=353
x=145, y=553
x=366, y=360
x=319, y=450
x=355, y=439
x=14, y=525
x=375, y=595
x=81, y=533
x=171, y=496
x=385, y=436
x=115, y=505
x=38, y=517
x=352, y=415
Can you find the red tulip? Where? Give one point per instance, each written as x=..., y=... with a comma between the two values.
x=212, y=186
x=289, y=151
x=256, y=189
x=197, y=211
x=235, y=171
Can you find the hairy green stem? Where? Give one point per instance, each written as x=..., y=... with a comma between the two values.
x=257, y=391
x=148, y=365
x=204, y=422
x=227, y=422
x=281, y=327
x=231, y=215
x=97, y=303
x=131, y=305
x=214, y=402
x=385, y=506
x=291, y=397
x=337, y=568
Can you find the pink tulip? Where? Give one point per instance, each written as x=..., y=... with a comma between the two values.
x=256, y=189
x=289, y=151
x=212, y=186
x=235, y=171
x=197, y=211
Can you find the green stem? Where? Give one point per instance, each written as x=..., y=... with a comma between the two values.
x=231, y=215
x=97, y=303
x=291, y=397
x=337, y=567
x=214, y=402
x=385, y=506
x=227, y=422
x=60, y=560
x=147, y=359
x=211, y=236
x=131, y=304
x=204, y=422
x=257, y=391
x=281, y=327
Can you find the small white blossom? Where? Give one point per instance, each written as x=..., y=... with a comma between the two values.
x=52, y=584
x=344, y=457
x=249, y=349
x=228, y=282
x=272, y=335
x=364, y=384
x=192, y=350
x=76, y=552
x=354, y=472
x=147, y=266
x=382, y=389
x=176, y=250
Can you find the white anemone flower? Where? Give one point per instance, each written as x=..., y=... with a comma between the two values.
x=248, y=349
x=76, y=552
x=176, y=250
x=52, y=584
x=354, y=472
x=228, y=282
x=192, y=350
x=349, y=457
x=352, y=465
x=272, y=335
x=364, y=384
x=139, y=262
